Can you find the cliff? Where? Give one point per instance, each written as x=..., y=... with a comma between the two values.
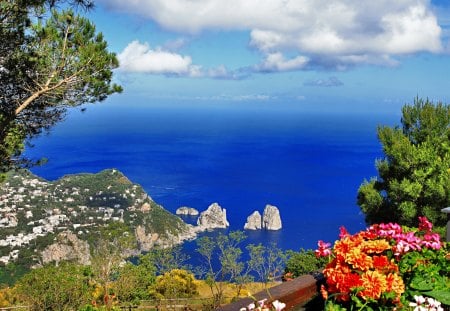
x=271, y=218
x=214, y=217
x=56, y=218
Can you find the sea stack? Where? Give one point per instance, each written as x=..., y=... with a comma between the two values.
x=271, y=218
x=213, y=218
x=254, y=221
x=186, y=211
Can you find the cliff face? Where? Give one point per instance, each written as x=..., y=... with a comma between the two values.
x=214, y=217
x=80, y=204
x=67, y=247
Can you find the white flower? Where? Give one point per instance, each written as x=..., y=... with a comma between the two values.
x=251, y=306
x=278, y=305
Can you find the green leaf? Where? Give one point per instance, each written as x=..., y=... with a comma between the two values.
x=442, y=296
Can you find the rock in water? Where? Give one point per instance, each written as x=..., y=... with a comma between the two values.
x=271, y=218
x=214, y=217
x=254, y=221
x=186, y=211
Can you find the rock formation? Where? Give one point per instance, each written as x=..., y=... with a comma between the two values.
x=254, y=221
x=271, y=218
x=186, y=211
x=67, y=247
x=214, y=217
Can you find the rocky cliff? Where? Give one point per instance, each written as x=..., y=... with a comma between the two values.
x=67, y=247
x=214, y=217
x=271, y=218
x=254, y=221
x=186, y=211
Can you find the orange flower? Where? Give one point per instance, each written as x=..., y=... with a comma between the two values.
x=375, y=246
x=324, y=292
x=374, y=284
x=359, y=260
x=395, y=284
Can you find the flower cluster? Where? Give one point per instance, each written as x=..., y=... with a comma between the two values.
x=363, y=267
x=426, y=304
x=263, y=305
x=405, y=242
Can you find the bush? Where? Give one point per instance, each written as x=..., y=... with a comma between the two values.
x=303, y=262
x=176, y=283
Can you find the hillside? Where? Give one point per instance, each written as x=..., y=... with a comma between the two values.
x=34, y=211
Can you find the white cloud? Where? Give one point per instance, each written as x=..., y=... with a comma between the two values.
x=328, y=33
x=330, y=82
x=138, y=57
x=277, y=62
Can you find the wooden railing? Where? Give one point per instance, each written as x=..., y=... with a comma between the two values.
x=295, y=293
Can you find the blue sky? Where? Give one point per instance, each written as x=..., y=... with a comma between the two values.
x=339, y=55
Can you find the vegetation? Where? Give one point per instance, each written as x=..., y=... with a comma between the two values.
x=303, y=262
x=50, y=60
x=386, y=267
x=64, y=287
x=414, y=175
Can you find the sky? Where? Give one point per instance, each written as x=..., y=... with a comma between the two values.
x=336, y=55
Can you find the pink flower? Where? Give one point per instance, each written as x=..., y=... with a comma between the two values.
x=432, y=240
x=262, y=302
x=425, y=224
x=343, y=232
x=324, y=249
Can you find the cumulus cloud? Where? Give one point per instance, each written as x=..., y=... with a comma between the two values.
x=326, y=33
x=277, y=62
x=139, y=57
x=330, y=82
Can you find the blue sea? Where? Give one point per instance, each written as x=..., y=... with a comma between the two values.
x=242, y=155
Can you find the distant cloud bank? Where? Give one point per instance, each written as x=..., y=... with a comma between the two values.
x=289, y=34
x=330, y=82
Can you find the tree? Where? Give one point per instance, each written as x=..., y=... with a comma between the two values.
x=266, y=261
x=167, y=259
x=222, y=256
x=46, y=67
x=414, y=175
x=134, y=280
x=109, y=248
x=65, y=287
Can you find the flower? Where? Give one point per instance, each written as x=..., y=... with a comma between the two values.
x=373, y=267
x=425, y=224
x=324, y=249
x=278, y=305
x=425, y=304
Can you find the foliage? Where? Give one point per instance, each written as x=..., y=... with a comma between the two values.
x=303, y=262
x=109, y=250
x=384, y=267
x=266, y=262
x=8, y=297
x=177, y=283
x=133, y=281
x=415, y=172
x=166, y=259
x=49, y=62
x=11, y=272
x=65, y=287
x=224, y=250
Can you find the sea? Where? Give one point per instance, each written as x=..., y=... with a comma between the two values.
x=242, y=155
